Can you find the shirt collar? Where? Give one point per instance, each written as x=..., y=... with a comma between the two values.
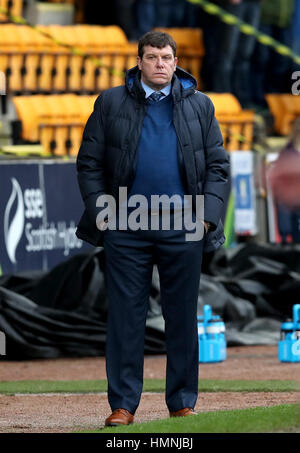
x=149, y=90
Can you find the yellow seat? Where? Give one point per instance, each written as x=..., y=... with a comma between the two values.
x=14, y=7
x=28, y=47
x=32, y=111
x=87, y=69
x=3, y=4
x=285, y=108
x=47, y=51
x=107, y=44
x=123, y=59
x=40, y=126
x=26, y=115
x=276, y=108
x=235, y=123
x=62, y=34
x=190, y=49
x=20, y=55
x=35, y=63
x=79, y=109
x=13, y=52
x=225, y=103
x=57, y=121
x=76, y=61
x=61, y=117
x=119, y=69
x=5, y=45
x=109, y=37
x=190, y=39
x=84, y=105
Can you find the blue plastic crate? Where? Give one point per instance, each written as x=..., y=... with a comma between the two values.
x=289, y=344
x=211, y=336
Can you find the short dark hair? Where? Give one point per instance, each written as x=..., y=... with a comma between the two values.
x=157, y=39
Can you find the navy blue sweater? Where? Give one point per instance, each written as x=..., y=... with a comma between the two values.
x=157, y=170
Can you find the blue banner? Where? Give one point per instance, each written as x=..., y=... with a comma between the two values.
x=40, y=206
x=242, y=186
x=242, y=169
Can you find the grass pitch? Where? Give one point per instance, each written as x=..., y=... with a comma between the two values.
x=281, y=418
x=150, y=385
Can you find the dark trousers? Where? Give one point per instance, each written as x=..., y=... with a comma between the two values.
x=129, y=260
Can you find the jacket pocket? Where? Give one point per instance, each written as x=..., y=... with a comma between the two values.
x=214, y=239
x=88, y=231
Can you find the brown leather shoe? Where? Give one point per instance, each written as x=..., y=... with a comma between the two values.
x=119, y=417
x=183, y=412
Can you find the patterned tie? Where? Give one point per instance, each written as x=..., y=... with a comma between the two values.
x=156, y=96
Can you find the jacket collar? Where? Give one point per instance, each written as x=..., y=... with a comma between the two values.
x=183, y=84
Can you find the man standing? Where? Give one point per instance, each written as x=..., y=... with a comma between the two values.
x=157, y=135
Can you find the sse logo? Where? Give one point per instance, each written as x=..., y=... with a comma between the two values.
x=296, y=85
x=33, y=200
x=20, y=207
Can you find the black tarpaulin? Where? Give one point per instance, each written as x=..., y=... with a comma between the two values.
x=63, y=313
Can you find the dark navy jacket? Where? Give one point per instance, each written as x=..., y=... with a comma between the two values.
x=107, y=158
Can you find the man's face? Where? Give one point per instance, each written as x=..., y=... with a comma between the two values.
x=157, y=66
